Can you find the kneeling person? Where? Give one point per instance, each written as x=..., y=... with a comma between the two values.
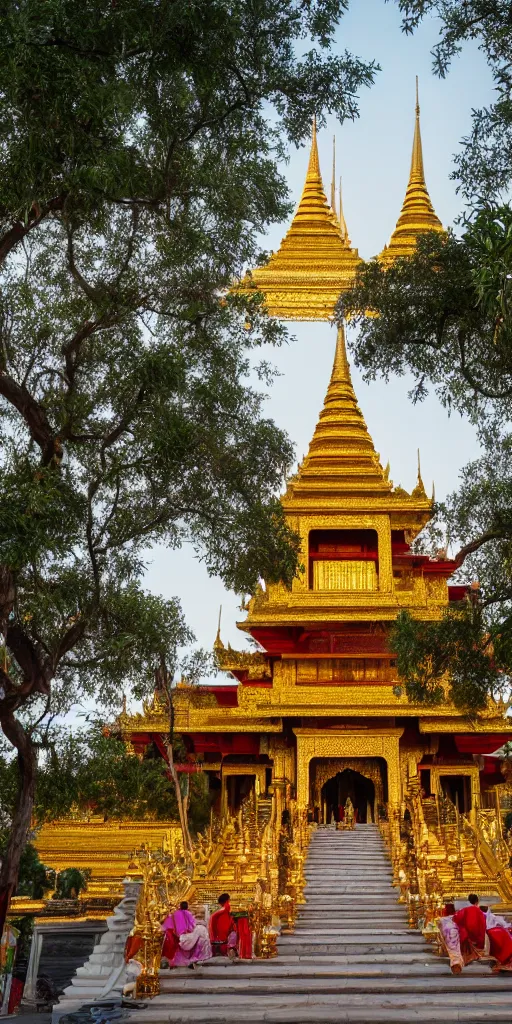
x=186, y=941
x=223, y=935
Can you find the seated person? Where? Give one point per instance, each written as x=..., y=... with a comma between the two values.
x=186, y=941
x=222, y=928
x=499, y=932
x=471, y=924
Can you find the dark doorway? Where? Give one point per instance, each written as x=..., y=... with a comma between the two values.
x=458, y=789
x=349, y=783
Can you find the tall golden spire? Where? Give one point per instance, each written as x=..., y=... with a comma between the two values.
x=313, y=265
x=333, y=179
x=343, y=223
x=341, y=456
x=417, y=215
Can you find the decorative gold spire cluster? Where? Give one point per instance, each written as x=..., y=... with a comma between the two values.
x=314, y=264
x=417, y=215
x=315, y=261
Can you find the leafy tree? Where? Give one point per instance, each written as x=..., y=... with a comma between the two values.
x=34, y=878
x=90, y=771
x=138, y=155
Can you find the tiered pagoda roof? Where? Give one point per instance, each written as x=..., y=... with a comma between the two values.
x=417, y=215
x=314, y=263
x=342, y=467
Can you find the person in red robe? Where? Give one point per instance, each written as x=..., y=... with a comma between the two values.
x=222, y=927
x=499, y=931
x=472, y=926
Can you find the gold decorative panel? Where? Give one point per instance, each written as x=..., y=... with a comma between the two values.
x=344, y=575
x=369, y=767
x=348, y=743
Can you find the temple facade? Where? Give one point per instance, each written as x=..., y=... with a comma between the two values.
x=314, y=711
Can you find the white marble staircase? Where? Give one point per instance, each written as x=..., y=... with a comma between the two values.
x=351, y=958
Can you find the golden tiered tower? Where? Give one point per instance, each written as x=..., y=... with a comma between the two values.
x=417, y=215
x=318, y=712
x=314, y=264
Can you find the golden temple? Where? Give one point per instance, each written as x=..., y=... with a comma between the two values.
x=317, y=712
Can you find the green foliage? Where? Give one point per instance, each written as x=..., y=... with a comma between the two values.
x=138, y=162
x=456, y=649
x=443, y=315
x=70, y=883
x=137, y=166
x=483, y=167
x=34, y=878
x=91, y=773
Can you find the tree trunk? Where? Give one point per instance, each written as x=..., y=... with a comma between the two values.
x=22, y=816
x=187, y=839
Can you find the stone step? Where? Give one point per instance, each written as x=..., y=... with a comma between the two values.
x=335, y=925
x=306, y=960
x=383, y=936
x=349, y=866
x=349, y=903
x=329, y=985
x=313, y=916
x=354, y=866
x=349, y=855
x=385, y=1011
x=280, y=967
x=343, y=888
x=376, y=947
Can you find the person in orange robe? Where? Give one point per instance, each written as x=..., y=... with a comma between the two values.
x=471, y=923
x=222, y=929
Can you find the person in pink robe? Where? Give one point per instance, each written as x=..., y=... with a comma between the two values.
x=186, y=941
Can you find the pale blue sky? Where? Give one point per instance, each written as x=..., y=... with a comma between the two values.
x=373, y=155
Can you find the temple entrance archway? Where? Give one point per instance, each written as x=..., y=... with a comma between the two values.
x=332, y=780
x=336, y=791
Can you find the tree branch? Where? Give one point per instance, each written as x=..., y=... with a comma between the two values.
x=34, y=416
x=20, y=230
x=474, y=545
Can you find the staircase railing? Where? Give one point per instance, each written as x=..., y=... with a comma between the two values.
x=491, y=851
x=255, y=844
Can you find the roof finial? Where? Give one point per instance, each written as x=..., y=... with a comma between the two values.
x=218, y=642
x=341, y=448
x=314, y=163
x=433, y=492
x=343, y=223
x=333, y=180
x=417, y=149
x=417, y=215
x=420, y=481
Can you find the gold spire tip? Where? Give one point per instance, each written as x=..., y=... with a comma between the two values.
x=333, y=179
x=417, y=99
x=218, y=641
x=314, y=163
